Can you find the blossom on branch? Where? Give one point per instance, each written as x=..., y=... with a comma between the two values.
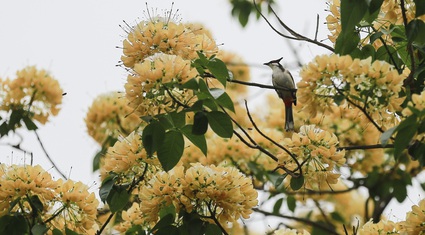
x=316, y=151
x=34, y=91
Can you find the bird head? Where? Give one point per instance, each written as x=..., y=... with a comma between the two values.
x=274, y=63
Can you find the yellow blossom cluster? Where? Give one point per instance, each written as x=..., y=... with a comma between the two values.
x=109, y=116
x=380, y=228
x=211, y=191
x=417, y=102
x=415, y=220
x=65, y=204
x=316, y=152
x=155, y=85
x=128, y=159
x=77, y=205
x=33, y=90
x=332, y=79
x=161, y=35
x=389, y=15
x=287, y=231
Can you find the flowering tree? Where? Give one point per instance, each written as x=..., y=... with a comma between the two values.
x=179, y=154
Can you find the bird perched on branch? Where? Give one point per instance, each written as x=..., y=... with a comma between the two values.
x=284, y=85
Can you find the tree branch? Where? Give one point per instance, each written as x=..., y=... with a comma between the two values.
x=295, y=35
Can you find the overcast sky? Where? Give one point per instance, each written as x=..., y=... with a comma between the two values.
x=76, y=41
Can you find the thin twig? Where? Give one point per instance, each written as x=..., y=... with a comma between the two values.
x=362, y=147
x=306, y=221
x=48, y=156
x=409, y=79
x=261, y=85
x=295, y=35
x=271, y=140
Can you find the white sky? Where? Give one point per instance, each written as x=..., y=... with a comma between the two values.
x=76, y=41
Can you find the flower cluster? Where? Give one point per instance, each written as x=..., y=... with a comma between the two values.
x=222, y=193
x=161, y=35
x=66, y=204
x=316, y=152
x=110, y=115
x=332, y=79
x=287, y=231
x=390, y=14
x=34, y=91
x=154, y=86
x=380, y=228
x=128, y=158
x=415, y=220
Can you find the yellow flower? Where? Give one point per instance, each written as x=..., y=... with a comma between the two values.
x=380, y=228
x=287, y=231
x=128, y=158
x=130, y=217
x=78, y=207
x=316, y=150
x=110, y=115
x=32, y=90
x=222, y=192
x=153, y=89
x=18, y=183
x=161, y=35
x=334, y=80
x=163, y=189
x=415, y=220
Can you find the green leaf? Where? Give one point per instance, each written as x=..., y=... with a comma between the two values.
x=368, y=51
x=171, y=150
x=212, y=229
x=135, y=230
x=13, y=225
x=277, y=206
x=57, y=232
x=280, y=179
x=39, y=229
x=192, y=84
x=291, y=202
x=200, y=123
x=4, y=129
x=387, y=135
x=36, y=204
x=297, y=182
x=405, y=132
x=178, y=118
x=118, y=198
x=29, y=123
x=198, y=140
x=375, y=5
x=164, y=222
x=352, y=12
x=417, y=151
x=346, y=43
x=400, y=190
x=70, y=232
x=220, y=123
x=219, y=70
x=106, y=187
x=420, y=7
x=225, y=101
x=167, y=210
x=152, y=137
x=415, y=32
x=337, y=217
x=244, y=9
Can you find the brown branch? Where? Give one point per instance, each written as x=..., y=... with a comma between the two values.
x=295, y=35
x=274, y=142
x=306, y=221
x=48, y=156
x=363, y=147
x=409, y=79
x=260, y=85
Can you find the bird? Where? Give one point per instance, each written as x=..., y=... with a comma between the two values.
x=284, y=84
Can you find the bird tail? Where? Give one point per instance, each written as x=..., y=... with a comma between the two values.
x=289, y=118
